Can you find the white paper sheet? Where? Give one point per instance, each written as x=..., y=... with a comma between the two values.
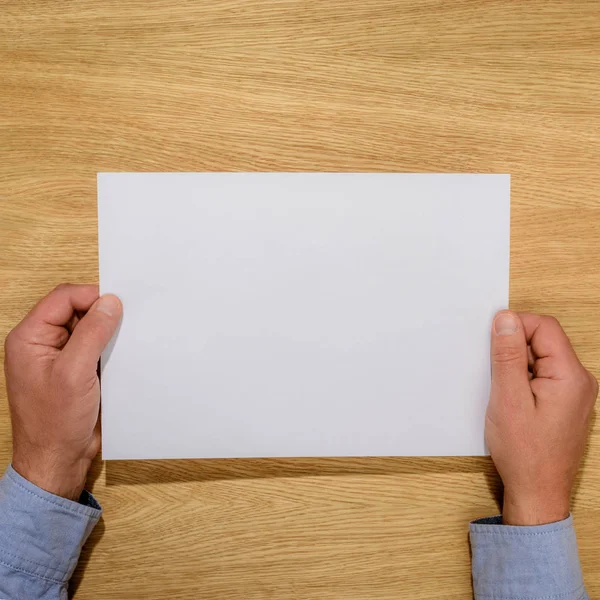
x=297, y=314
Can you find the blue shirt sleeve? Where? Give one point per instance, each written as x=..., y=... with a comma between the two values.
x=525, y=563
x=41, y=536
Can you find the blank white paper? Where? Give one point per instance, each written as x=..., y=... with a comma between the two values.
x=300, y=314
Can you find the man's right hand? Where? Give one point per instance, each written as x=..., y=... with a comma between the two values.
x=538, y=416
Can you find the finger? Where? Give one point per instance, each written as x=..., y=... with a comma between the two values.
x=549, y=342
x=510, y=372
x=530, y=356
x=45, y=323
x=546, y=336
x=544, y=368
x=60, y=304
x=92, y=334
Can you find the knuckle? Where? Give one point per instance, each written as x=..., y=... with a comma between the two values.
x=594, y=383
x=95, y=444
x=96, y=324
x=71, y=383
x=507, y=355
x=66, y=375
x=64, y=289
x=551, y=320
x=11, y=343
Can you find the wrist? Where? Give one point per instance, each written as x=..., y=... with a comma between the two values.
x=531, y=511
x=66, y=481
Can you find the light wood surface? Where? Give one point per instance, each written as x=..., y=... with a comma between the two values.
x=489, y=86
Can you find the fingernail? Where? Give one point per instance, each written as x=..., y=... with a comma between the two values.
x=110, y=305
x=505, y=324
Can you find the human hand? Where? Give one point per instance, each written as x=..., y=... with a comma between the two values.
x=51, y=361
x=538, y=416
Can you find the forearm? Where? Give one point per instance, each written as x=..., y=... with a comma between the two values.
x=41, y=536
x=537, y=563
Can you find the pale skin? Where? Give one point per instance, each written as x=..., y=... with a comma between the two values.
x=538, y=416
x=53, y=389
x=536, y=428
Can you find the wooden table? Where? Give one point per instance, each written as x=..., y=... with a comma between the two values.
x=494, y=86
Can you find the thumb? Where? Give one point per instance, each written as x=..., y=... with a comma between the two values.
x=509, y=356
x=92, y=334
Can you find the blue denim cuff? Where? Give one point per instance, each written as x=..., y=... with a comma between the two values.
x=42, y=534
x=525, y=563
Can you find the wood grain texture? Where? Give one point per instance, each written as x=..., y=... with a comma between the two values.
x=489, y=86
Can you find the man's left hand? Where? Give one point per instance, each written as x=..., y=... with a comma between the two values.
x=51, y=363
